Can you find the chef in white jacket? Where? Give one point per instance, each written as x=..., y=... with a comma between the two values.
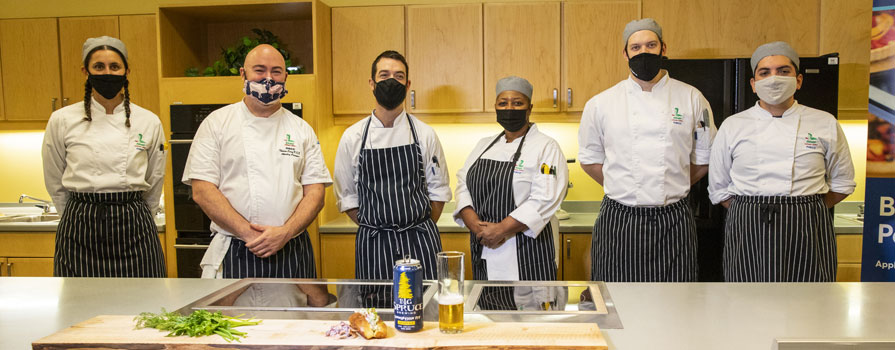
x=646, y=140
x=507, y=193
x=778, y=166
x=257, y=171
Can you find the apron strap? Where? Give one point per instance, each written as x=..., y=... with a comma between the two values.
x=363, y=140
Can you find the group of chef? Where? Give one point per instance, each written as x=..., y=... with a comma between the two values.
x=258, y=172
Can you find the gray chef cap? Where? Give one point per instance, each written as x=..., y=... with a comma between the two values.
x=772, y=49
x=514, y=83
x=93, y=43
x=638, y=25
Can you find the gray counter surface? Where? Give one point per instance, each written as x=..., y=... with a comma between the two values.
x=654, y=315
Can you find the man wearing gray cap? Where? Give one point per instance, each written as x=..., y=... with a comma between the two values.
x=777, y=167
x=507, y=192
x=646, y=140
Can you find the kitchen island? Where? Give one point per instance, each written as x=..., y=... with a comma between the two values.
x=653, y=315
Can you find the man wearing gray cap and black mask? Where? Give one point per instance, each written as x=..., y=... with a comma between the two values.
x=646, y=140
x=778, y=166
x=507, y=192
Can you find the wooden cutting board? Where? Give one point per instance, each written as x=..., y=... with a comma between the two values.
x=117, y=332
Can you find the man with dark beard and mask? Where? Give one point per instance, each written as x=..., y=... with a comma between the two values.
x=257, y=171
x=777, y=167
x=646, y=140
x=507, y=192
x=391, y=179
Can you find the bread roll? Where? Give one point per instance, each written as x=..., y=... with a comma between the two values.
x=368, y=324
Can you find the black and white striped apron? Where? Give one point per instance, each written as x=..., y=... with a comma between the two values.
x=779, y=239
x=490, y=184
x=294, y=260
x=394, y=216
x=644, y=244
x=107, y=235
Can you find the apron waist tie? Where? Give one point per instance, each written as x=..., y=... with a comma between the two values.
x=767, y=211
x=402, y=229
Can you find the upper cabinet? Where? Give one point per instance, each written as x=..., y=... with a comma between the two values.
x=136, y=32
x=444, y=54
x=29, y=55
x=73, y=31
x=593, y=57
x=355, y=45
x=523, y=39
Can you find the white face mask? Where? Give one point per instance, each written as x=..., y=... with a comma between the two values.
x=775, y=89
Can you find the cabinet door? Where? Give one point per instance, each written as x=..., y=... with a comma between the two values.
x=138, y=33
x=593, y=56
x=30, y=267
x=459, y=242
x=444, y=52
x=359, y=34
x=576, y=256
x=2, y=108
x=30, y=63
x=337, y=255
x=523, y=39
x=73, y=31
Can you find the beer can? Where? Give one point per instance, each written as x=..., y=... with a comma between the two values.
x=408, y=295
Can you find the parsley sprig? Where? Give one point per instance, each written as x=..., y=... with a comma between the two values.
x=199, y=323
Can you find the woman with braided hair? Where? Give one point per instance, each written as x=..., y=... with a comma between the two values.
x=104, y=165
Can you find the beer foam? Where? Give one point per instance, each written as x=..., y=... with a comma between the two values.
x=450, y=299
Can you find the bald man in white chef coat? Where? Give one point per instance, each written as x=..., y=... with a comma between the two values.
x=257, y=171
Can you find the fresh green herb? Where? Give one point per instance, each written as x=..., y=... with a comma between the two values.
x=233, y=57
x=199, y=323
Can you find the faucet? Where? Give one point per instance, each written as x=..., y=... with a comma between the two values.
x=44, y=204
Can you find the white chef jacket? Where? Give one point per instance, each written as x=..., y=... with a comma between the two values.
x=537, y=195
x=103, y=155
x=259, y=164
x=379, y=136
x=646, y=140
x=804, y=152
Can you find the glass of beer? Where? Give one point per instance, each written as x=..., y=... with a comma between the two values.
x=450, y=292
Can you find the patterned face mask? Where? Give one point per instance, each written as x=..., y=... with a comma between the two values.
x=265, y=90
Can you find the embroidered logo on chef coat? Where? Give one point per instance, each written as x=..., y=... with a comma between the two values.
x=810, y=141
x=676, y=117
x=547, y=169
x=139, y=144
x=289, y=147
x=519, y=167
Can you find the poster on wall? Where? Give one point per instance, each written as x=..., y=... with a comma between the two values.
x=878, y=256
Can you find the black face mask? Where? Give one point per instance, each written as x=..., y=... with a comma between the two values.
x=645, y=66
x=107, y=85
x=390, y=93
x=511, y=119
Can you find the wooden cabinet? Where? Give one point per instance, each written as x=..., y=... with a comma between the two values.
x=142, y=55
x=40, y=61
x=337, y=253
x=593, y=57
x=355, y=46
x=29, y=55
x=73, y=31
x=523, y=39
x=848, y=254
x=26, y=267
x=444, y=52
x=575, y=256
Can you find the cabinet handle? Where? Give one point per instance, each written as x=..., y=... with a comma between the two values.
x=555, y=95
x=568, y=249
x=54, y=103
x=569, y=92
x=412, y=99
x=1, y=265
x=64, y=101
x=9, y=269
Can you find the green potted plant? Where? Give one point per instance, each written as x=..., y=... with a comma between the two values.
x=233, y=57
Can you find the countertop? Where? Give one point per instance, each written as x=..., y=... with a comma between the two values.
x=50, y=226
x=582, y=215
x=689, y=316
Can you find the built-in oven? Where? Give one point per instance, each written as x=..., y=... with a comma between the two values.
x=192, y=225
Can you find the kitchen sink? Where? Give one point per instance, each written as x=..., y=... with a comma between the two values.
x=29, y=218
